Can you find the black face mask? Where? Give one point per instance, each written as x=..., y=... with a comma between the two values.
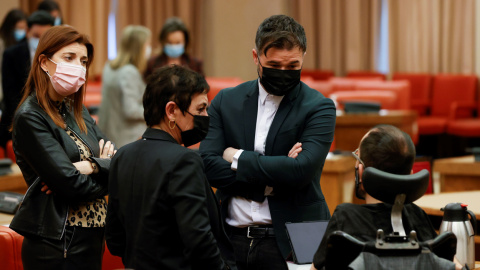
x=279, y=82
x=358, y=193
x=198, y=132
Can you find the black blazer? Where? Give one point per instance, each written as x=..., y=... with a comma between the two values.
x=46, y=153
x=16, y=65
x=162, y=213
x=305, y=116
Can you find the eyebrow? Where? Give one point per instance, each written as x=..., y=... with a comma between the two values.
x=270, y=62
x=202, y=104
x=82, y=57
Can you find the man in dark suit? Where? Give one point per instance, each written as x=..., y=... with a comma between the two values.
x=266, y=147
x=17, y=61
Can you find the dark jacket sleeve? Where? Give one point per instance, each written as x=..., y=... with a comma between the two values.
x=294, y=173
x=186, y=191
x=115, y=234
x=219, y=172
x=34, y=141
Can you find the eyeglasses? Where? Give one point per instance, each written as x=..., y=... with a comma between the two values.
x=355, y=155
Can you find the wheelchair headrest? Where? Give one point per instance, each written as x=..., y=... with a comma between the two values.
x=385, y=186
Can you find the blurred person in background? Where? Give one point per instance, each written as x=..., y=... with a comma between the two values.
x=121, y=112
x=174, y=39
x=12, y=31
x=53, y=8
x=16, y=64
x=64, y=158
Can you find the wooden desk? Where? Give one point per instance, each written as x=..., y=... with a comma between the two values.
x=5, y=219
x=458, y=173
x=13, y=181
x=338, y=180
x=432, y=203
x=350, y=128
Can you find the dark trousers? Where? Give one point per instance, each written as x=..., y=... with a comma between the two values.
x=80, y=248
x=257, y=253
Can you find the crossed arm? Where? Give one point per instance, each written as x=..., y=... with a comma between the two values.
x=255, y=171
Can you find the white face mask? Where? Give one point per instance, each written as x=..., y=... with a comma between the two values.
x=148, y=52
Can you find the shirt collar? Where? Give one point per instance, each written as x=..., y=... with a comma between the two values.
x=262, y=95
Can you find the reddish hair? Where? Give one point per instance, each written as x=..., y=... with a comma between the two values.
x=51, y=42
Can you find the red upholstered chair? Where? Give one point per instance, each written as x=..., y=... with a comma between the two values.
x=420, y=165
x=420, y=90
x=111, y=262
x=92, y=99
x=448, y=90
x=218, y=83
x=348, y=84
x=94, y=87
x=388, y=100
x=464, y=127
x=317, y=74
x=10, y=249
x=323, y=87
x=10, y=152
x=401, y=88
x=365, y=74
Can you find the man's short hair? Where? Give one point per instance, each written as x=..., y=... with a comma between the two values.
x=389, y=149
x=40, y=17
x=282, y=32
x=171, y=83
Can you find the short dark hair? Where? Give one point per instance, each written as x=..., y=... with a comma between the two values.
x=282, y=32
x=40, y=17
x=48, y=5
x=388, y=149
x=171, y=25
x=171, y=83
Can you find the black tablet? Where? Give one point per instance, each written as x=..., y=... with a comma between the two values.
x=305, y=237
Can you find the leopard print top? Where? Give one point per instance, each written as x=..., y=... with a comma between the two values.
x=86, y=214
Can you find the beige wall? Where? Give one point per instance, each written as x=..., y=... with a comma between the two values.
x=6, y=6
x=230, y=28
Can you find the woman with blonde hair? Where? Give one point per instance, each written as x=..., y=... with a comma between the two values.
x=121, y=111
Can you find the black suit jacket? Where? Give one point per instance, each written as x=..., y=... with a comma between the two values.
x=162, y=213
x=305, y=116
x=16, y=66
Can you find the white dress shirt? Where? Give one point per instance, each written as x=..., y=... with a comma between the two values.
x=243, y=212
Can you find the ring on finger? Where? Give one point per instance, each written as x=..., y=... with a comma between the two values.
x=109, y=155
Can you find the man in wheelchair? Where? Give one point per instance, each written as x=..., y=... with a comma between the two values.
x=392, y=151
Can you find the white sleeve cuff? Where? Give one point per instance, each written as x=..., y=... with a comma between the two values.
x=235, y=159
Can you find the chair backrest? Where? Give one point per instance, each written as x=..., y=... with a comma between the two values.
x=366, y=74
x=420, y=89
x=10, y=249
x=401, y=88
x=348, y=84
x=317, y=74
x=448, y=88
x=323, y=87
x=218, y=83
x=385, y=186
x=388, y=100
